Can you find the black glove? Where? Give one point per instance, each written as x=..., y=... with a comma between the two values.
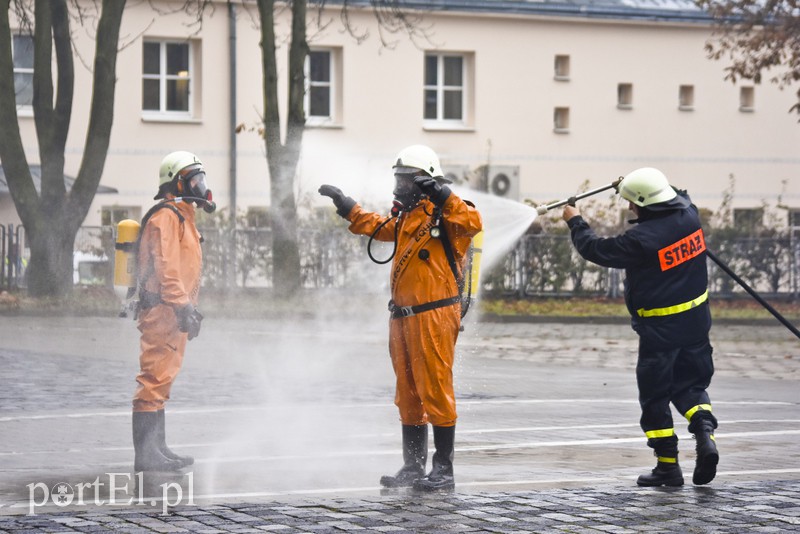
x=344, y=205
x=189, y=319
x=571, y=201
x=437, y=193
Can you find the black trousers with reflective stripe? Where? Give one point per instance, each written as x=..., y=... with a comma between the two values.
x=679, y=376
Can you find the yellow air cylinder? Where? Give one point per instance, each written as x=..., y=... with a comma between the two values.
x=471, y=287
x=125, y=259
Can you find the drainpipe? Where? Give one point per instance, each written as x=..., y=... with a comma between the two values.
x=230, y=278
x=232, y=109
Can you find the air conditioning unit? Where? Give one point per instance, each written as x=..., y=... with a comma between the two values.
x=456, y=173
x=498, y=180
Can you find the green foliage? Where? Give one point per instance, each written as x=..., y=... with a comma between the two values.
x=759, y=250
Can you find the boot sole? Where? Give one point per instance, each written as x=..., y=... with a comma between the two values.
x=161, y=469
x=168, y=467
x=388, y=481
x=706, y=469
x=430, y=488
x=671, y=483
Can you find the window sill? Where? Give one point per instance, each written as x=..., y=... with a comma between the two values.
x=747, y=109
x=323, y=125
x=443, y=127
x=561, y=78
x=561, y=130
x=25, y=112
x=173, y=118
x=686, y=108
x=625, y=107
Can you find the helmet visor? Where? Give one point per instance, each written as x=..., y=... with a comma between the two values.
x=404, y=169
x=195, y=179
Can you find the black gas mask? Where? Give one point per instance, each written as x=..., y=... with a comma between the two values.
x=406, y=194
x=194, y=185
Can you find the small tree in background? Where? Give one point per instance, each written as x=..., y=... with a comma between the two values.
x=757, y=37
x=53, y=215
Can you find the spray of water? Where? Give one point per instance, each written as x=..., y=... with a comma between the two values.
x=504, y=222
x=322, y=388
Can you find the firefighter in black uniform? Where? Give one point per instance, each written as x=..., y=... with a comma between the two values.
x=666, y=292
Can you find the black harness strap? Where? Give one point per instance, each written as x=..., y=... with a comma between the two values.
x=146, y=298
x=407, y=311
x=451, y=259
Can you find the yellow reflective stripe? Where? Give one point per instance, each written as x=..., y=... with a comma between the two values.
x=663, y=433
x=672, y=310
x=666, y=460
x=692, y=411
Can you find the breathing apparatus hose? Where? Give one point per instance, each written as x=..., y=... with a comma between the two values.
x=209, y=206
x=753, y=294
x=394, y=213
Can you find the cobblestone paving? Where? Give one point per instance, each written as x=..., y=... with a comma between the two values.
x=763, y=351
x=732, y=508
x=509, y=376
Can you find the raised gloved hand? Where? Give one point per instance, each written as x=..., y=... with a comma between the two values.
x=189, y=319
x=344, y=204
x=436, y=192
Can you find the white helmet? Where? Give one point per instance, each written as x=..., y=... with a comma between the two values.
x=174, y=162
x=418, y=158
x=646, y=186
x=189, y=168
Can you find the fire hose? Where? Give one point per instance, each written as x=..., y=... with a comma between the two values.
x=541, y=210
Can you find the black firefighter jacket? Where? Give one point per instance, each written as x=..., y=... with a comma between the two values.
x=664, y=259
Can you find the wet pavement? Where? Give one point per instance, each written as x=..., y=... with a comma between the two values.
x=292, y=423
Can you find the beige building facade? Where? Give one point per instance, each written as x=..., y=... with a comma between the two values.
x=547, y=99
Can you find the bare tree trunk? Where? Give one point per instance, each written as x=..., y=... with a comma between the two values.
x=52, y=217
x=282, y=158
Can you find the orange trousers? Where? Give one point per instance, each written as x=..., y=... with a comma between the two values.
x=422, y=348
x=162, y=347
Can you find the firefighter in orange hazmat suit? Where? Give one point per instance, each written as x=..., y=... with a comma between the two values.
x=432, y=229
x=169, y=266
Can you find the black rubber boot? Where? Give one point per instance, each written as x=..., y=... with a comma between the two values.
x=663, y=474
x=162, y=442
x=705, y=468
x=441, y=475
x=145, y=443
x=415, y=456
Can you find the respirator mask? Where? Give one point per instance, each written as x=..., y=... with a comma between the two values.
x=406, y=194
x=194, y=179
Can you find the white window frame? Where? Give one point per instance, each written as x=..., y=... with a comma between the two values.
x=25, y=108
x=332, y=84
x=440, y=87
x=163, y=77
x=133, y=212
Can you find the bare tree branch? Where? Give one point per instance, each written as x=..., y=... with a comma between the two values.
x=759, y=38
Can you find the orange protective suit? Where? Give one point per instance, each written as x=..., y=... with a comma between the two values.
x=170, y=262
x=422, y=346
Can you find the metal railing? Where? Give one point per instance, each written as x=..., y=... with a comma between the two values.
x=14, y=255
x=539, y=265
